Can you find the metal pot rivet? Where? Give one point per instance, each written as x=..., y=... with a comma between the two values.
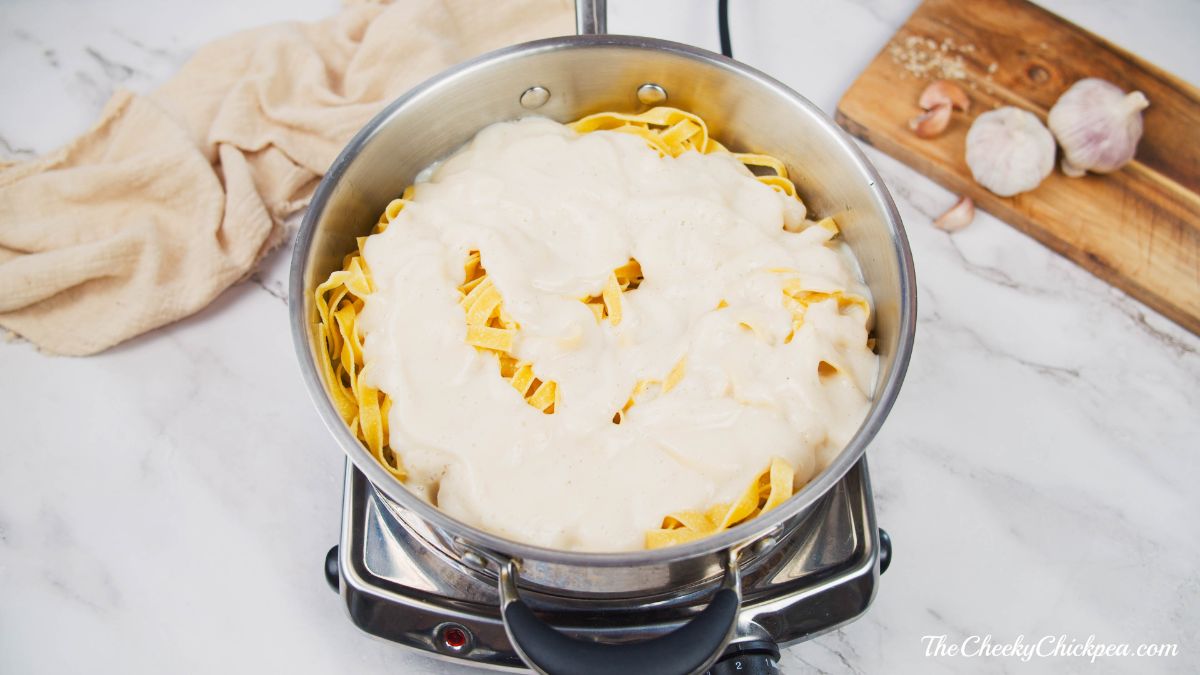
x=651, y=93
x=534, y=97
x=473, y=559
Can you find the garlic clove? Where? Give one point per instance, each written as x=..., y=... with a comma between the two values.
x=956, y=217
x=1098, y=126
x=932, y=122
x=1009, y=151
x=944, y=91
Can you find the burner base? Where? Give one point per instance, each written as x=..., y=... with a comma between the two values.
x=817, y=578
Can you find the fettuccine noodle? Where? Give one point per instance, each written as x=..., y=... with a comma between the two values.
x=771, y=488
x=490, y=329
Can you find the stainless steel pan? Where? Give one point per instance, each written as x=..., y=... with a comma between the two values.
x=564, y=79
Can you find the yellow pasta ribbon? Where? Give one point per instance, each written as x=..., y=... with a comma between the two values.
x=491, y=329
x=675, y=375
x=643, y=387
x=608, y=306
x=338, y=302
x=672, y=132
x=769, y=489
x=797, y=297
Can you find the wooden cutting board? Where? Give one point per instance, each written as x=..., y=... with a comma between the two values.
x=1138, y=228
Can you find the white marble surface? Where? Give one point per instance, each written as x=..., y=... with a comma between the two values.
x=165, y=507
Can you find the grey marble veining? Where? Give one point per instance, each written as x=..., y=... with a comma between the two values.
x=165, y=507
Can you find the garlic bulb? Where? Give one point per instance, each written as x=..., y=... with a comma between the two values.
x=1009, y=151
x=1097, y=125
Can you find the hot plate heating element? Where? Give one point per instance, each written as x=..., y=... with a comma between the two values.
x=818, y=576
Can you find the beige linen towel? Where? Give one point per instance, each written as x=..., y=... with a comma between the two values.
x=174, y=196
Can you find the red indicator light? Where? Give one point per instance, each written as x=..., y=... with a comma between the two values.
x=454, y=637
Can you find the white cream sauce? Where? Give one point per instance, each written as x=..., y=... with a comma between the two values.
x=553, y=212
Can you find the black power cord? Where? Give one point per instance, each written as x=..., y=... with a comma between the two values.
x=723, y=22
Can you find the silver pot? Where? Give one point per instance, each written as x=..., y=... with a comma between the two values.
x=565, y=79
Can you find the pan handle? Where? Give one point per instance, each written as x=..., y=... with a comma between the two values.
x=591, y=17
x=691, y=648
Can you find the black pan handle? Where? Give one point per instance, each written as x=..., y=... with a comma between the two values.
x=689, y=649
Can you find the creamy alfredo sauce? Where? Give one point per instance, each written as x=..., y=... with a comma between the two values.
x=553, y=212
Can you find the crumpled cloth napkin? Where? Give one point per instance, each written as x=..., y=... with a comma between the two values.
x=174, y=196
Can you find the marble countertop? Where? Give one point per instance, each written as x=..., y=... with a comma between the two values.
x=166, y=506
